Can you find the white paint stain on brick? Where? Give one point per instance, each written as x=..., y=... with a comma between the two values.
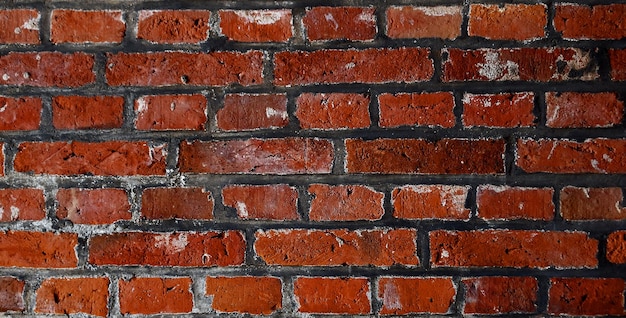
x=440, y=11
x=271, y=112
x=142, y=106
x=262, y=17
x=495, y=69
x=242, y=209
x=391, y=298
x=329, y=18
x=30, y=24
x=144, y=14
x=15, y=213
x=171, y=243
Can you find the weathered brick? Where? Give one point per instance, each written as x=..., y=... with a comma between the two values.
x=96, y=158
x=512, y=203
x=618, y=64
x=20, y=113
x=11, y=294
x=337, y=247
x=352, y=66
x=412, y=295
x=500, y=295
x=507, y=110
x=256, y=25
x=93, y=206
x=38, y=249
x=577, y=21
x=597, y=155
x=21, y=204
x=173, y=26
x=424, y=22
x=19, y=26
x=88, y=295
x=155, y=295
x=184, y=68
x=253, y=111
x=171, y=112
x=616, y=247
x=87, y=112
x=257, y=156
x=513, y=248
x=259, y=295
x=430, y=202
x=340, y=23
x=330, y=295
x=521, y=22
x=416, y=109
x=177, y=203
x=592, y=204
x=77, y=26
x=265, y=202
x=583, y=110
x=345, y=203
x=47, y=69
x=333, y=111
x=168, y=249
x=586, y=296
x=450, y=156
x=518, y=64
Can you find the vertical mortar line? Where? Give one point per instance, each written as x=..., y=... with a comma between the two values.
x=208, y=123
x=304, y=202
x=100, y=65
x=44, y=25
x=557, y=204
x=471, y=202
x=129, y=112
x=540, y=108
x=423, y=246
x=114, y=299
x=250, y=257
x=509, y=155
x=299, y=31
x=130, y=16
x=459, y=108
x=340, y=160
x=374, y=108
x=219, y=209
x=173, y=154
x=292, y=107
x=215, y=102
x=201, y=303
x=543, y=283
x=604, y=63
x=380, y=12
x=134, y=195
x=465, y=18
x=289, y=298
x=46, y=124
x=377, y=304
x=32, y=284
x=387, y=202
x=459, y=299
x=551, y=32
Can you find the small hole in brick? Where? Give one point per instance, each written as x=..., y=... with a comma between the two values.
x=184, y=79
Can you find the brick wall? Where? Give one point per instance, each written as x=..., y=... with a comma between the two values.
x=287, y=159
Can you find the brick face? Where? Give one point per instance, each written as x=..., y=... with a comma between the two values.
x=309, y=158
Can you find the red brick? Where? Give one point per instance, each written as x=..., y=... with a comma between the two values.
x=173, y=26
x=19, y=26
x=337, y=247
x=333, y=111
x=47, y=69
x=256, y=25
x=616, y=247
x=411, y=295
x=352, y=66
x=430, y=202
x=513, y=248
x=76, y=26
x=257, y=156
x=245, y=294
x=168, y=249
x=87, y=112
x=21, y=113
x=512, y=203
x=586, y=296
x=97, y=158
x=93, y=206
x=506, y=110
x=38, y=249
x=21, y=204
x=155, y=295
x=521, y=22
x=345, y=203
x=340, y=23
x=424, y=22
x=500, y=295
x=583, y=110
x=11, y=294
x=566, y=156
x=518, y=64
x=184, y=68
x=253, y=111
x=592, y=204
x=330, y=295
x=87, y=295
x=171, y=112
x=416, y=109
x=399, y=156
x=604, y=22
x=177, y=203
x=618, y=64
x=265, y=202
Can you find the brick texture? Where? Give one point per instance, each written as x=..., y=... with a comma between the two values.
x=424, y=22
x=584, y=110
x=521, y=22
x=171, y=112
x=430, y=202
x=93, y=206
x=38, y=249
x=177, y=203
x=256, y=25
x=498, y=110
x=327, y=295
x=500, y=295
x=253, y=111
x=507, y=203
x=410, y=295
x=11, y=294
x=586, y=296
x=78, y=26
x=261, y=295
x=155, y=295
x=73, y=295
x=340, y=23
x=47, y=69
x=173, y=26
x=19, y=26
x=87, y=112
x=345, y=203
x=425, y=109
x=22, y=204
x=268, y=202
x=333, y=111
x=20, y=113
x=576, y=21
x=592, y=204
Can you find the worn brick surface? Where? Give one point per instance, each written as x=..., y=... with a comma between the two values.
x=592, y=204
x=93, y=206
x=81, y=26
x=22, y=204
x=423, y=109
x=521, y=22
x=586, y=296
x=340, y=23
x=333, y=111
x=87, y=112
x=616, y=247
x=500, y=295
x=412, y=295
x=177, y=203
x=38, y=249
x=171, y=112
x=47, y=69
x=11, y=294
x=253, y=111
x=86, y=295
x=424, y=22
x=430, y=202
x=20, y=26
x=507, y=203
x=155, y=295
x=245, y=294
x=20, y=113
x=575, y=21
x=268, y=202
x=618, y=64
x=345, y=203
x=330, y=295
x=583, y=110
x=173, y=26
x=256, y=25
x=498, y=110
